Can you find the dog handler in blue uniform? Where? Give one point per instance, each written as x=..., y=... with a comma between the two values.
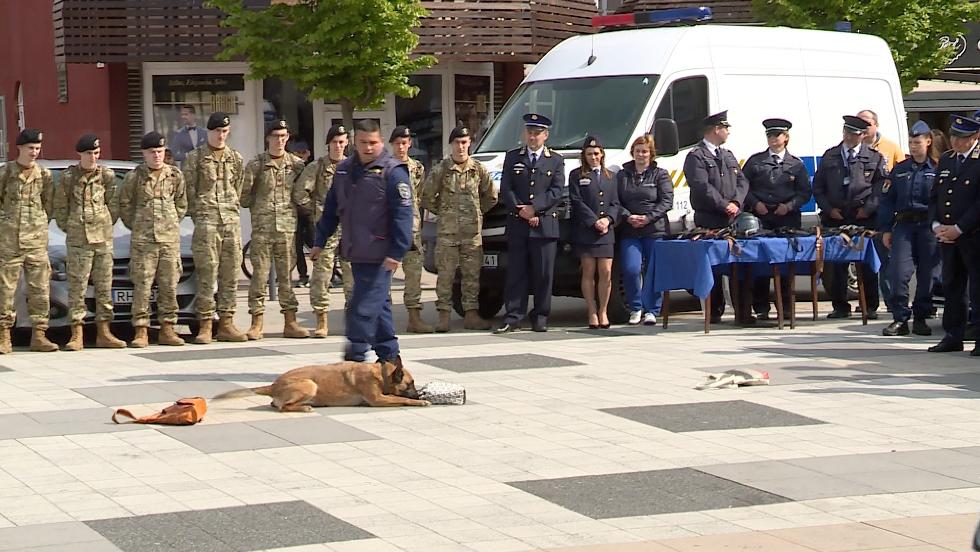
x=371, y=198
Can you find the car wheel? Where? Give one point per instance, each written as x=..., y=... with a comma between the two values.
x=618, y=310
x=852, y=280
x=491, y=300
x=246, y=261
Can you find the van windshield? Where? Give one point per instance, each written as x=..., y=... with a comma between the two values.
x=605, y=107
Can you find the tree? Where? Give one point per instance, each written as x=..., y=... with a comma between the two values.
x=913, y=29
x=352, y=52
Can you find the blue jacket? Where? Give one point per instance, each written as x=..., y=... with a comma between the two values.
x=593, y=196
x=540, y=186
x=650, y=194
x=907, y=189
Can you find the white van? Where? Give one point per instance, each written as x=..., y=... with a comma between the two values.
x=620, y=84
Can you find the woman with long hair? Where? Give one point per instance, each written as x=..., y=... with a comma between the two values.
x=595, y=210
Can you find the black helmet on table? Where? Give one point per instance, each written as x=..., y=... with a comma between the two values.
x=746, y=225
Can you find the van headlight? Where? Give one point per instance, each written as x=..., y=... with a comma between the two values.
x=59, y=269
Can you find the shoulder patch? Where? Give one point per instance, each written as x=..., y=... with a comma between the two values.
x=375, y=170
x=404, y=191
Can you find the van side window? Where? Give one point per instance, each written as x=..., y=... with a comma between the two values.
x=686, y=102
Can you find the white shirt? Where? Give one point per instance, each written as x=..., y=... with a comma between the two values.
x=844, y=149
x=537, y=153
x=711, y=147
x=781, y=155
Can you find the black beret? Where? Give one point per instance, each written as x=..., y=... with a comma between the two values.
x=459, y=132
x=276, y=124
x=153, y=139
x=591, y=142
x=400, y=132
x=29, y=136
x=87, y=142
x=855, y=125
x=218, y=119
x=335, y=131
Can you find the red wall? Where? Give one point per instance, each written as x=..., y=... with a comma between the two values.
x=29, y=59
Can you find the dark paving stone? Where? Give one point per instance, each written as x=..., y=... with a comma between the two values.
x=646, y=493
x=60, y=422
x=710, y=416
x=235, y=529
x=966, y=382
x=312, y=430
x=57, y=536
x=197, y=353
x=142, y=393
x=5, y=369
x=230, y=437
x=500, y=362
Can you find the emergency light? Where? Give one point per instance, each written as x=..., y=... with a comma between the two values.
x=675, y=15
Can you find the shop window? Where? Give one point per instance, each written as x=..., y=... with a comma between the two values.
x=182, y=104
x=473, y=103
x=686, y=102
x=423, y=114
x=283, y=99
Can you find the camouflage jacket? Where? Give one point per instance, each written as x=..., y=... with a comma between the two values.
x=267, y=190
x=459, y=195
x=213, y=185
x=311, y=188
x=26, y=205
x=86, y=205
x=416, y=174
x=152, y=208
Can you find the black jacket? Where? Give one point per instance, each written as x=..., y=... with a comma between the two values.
x=592, y=197
x=715, y=182
x=775, y=183
x=650, y=194
x=540, y=186
x=866, y=173
x=955, y=197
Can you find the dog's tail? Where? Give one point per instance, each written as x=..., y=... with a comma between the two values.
x=237, y=393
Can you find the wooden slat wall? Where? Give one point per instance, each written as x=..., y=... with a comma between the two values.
x=134, y=106
x=724, y=11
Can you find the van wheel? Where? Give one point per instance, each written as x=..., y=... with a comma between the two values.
x=491, y=301
x=618, y=311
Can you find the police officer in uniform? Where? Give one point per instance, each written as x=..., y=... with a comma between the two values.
x=371, y=198
x=531, y=189
x=847, y=187
x=718, y=190
x=954, y=214
x=903, y=217
x=778, y=187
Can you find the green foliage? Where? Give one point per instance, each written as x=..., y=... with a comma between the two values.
x=353, y=52
x=912, y=28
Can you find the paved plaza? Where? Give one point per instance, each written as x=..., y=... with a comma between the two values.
x=576, y=439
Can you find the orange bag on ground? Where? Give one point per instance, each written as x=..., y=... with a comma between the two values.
x=187, y=411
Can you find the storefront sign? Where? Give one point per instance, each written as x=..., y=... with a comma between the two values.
x=166, y=84
x=966, y=48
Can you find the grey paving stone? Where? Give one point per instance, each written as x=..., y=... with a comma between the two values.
x=314, y=347
x=550, y=335
x=198, y=353
x=236, y=529
x=813, y=487
x=499, y=362
x=646, y=493
x=932, y=459
x=849, y=463
x=51, y=423
x=906, y=481
x=312, y=430
x=5, y=369
x=717, y=415
x=68, y=536
x=140, y=393
x=224, y=437
x=204, y=389
x=75, y=415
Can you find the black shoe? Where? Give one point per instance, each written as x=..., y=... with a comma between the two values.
x=976, y=350
x=604, y=326
x=594, y=326
x=539, y=327
x=972, y=333
x=919, y=327
x=839, y=314
x=947, y=345
x=896, y=328
x=506, y=328
x=873, y=315
x=716, y=319
x=746, y=321
x=763, y=316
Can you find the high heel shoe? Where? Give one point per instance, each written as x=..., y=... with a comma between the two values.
x=594, y=326
x=604, y=326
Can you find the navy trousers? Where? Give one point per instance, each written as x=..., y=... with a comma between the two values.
x=961, y=271
x=913, y=250
x=368, y=316
x=530, y=267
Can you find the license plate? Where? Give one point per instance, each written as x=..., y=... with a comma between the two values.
x=490, y=261
x=125, y=296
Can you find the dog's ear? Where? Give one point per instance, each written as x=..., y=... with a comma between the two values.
x=398, y=374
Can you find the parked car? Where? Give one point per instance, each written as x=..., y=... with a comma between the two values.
x=122, y=286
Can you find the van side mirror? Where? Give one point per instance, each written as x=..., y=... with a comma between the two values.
x=665, y=137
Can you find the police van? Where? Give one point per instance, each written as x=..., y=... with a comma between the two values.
x=663, y=79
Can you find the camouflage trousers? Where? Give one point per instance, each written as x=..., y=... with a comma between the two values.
x=90, y=262
x=217, y=252
x=323, y=272
x=412, y=267
x=37, y=278
x=467, y=258
x=159, y=263
x=268, y=249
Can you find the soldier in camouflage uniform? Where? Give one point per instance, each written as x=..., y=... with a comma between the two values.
x=458, y=191
x=86, y=206
x=152, y=202
x=267, y=190
x=401, y=142
x=26, y=194
x=213, y=175
x=309, y=192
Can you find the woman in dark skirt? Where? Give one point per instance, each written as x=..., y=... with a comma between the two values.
x=595, y=209
x=646, y=193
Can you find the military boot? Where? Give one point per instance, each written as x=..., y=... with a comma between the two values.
x=254, y=332
x=203, y=336
x=5, y=346
x=75, y=343
x=291, y=328
x=168, y=336
x=322, y=329
x=39, y=341
x=140, y=340
x=443, y=325
x=104, y=338
x=472, y=321
x=227, y=330
x=416, y=324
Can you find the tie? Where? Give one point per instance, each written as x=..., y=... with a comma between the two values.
x=850, y=156
x=775, y=158
x=534, y=159
x=959, y=160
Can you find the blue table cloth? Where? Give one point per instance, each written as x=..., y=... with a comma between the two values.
x=686, y=264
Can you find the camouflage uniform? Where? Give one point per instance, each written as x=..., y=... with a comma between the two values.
x=214, y=184
x=412, y=263
x=267, y=190
x=459, y=195
x=152, y=206
x=309, y=191
x=26, y=199
x=86, y=206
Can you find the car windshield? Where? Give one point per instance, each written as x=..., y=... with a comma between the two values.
x=606, y=107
